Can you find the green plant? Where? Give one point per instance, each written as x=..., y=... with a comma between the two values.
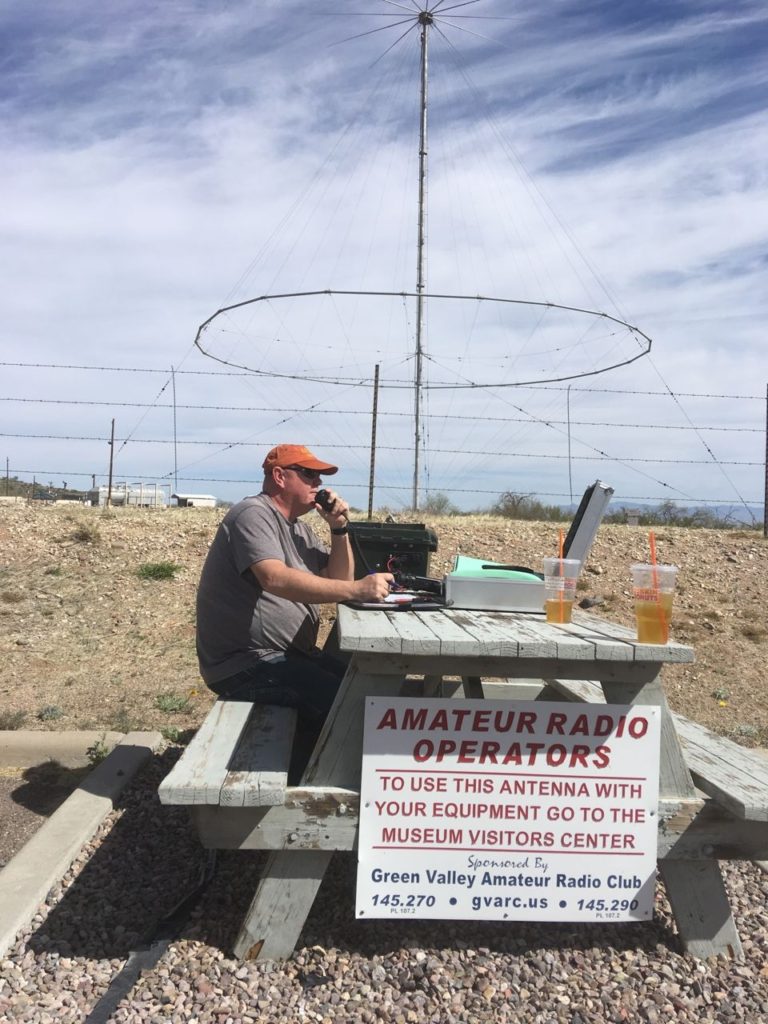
x=746, y=730
x=157, y=570
x=53, y=570
x=180, y=736
x=12, y=719
x=720, y=693
x=49, y=713
x=171, y=703
x=97, y=751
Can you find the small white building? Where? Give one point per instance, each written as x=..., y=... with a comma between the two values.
x=195, y=500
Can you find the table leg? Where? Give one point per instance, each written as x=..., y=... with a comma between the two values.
x=473, y=687
x=291, y=878
x=281, y=905
x=695, y=889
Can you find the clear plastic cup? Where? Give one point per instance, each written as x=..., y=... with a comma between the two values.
x=653, y=589
x=560, y=575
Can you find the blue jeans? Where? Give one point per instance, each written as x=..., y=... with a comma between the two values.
x=307, y=683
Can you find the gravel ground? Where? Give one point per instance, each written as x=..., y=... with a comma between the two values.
x=145, y=858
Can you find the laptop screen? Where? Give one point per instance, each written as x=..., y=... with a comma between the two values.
x=587, y=520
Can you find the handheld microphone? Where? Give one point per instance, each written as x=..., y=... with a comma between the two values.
x=323, y=499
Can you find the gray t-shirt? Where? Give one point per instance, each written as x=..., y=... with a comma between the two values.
x=238, y=622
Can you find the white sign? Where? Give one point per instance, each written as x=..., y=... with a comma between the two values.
x=507, y=810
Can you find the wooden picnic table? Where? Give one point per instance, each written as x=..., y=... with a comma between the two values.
x=248, y=804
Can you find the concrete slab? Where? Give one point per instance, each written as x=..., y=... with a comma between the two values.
x=23, y=748
x=43, y=861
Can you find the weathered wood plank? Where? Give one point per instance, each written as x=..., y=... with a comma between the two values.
x=326, y=818
x=279, y=909
x=608, y=648
x=258, y=770
x=497, y=634
x=668, y=653
x=538, y=637
x=490, y=637
x=730, y=774
x=733, y=775
x=700, y=905
x=415, y=633
x=367, y=630
x=507, y=667
x=454, y=639
x=200, y=772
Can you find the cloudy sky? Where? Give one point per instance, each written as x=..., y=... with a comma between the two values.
x=163, y=162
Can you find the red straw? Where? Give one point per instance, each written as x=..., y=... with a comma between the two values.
x=652, y=541
x=662, y=620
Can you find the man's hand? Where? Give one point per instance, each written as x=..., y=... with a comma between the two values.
x=336, y=512
x=374, y=587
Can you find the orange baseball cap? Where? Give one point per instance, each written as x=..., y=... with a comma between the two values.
x=286, y=455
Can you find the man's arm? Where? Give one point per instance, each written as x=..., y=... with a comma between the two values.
x=341, y=561
x=296, y=585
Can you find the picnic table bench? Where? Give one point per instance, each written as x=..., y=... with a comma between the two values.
x=713, y=797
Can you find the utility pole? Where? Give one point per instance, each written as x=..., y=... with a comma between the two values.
x=175, y=460
x=765, y=495
x=373, y=439
x=111, y=462
x=7, y=477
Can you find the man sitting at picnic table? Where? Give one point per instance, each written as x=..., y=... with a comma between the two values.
x=257, y=603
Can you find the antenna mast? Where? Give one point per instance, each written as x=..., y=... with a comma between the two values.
x=425, y=20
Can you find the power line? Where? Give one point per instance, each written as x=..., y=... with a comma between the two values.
x=240, y=373
x=399, y=448
x=355, y=412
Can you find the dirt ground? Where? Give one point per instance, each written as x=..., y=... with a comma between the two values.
x=87, y=644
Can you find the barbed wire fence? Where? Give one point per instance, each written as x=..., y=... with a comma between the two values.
x=753, y=421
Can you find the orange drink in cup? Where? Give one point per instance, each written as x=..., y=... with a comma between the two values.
x=560, y=575
x=653, y=589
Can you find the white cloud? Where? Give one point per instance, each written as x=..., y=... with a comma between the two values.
x=162, y=162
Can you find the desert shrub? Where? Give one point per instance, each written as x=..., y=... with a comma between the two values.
x=524, y=506
x=49, y=713
x=670, y=514
x=157, y=570
x=171, y=703
x=437, y=503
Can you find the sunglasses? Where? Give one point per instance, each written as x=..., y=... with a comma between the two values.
x=304, y=473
